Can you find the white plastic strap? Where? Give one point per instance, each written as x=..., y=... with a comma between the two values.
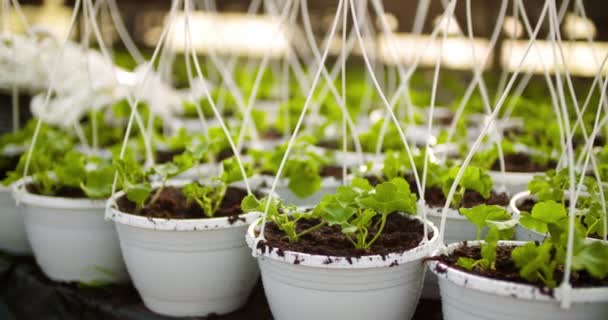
x=51, y=87
x=212, y=103
x=316, y=78
x=329, y=79
x=486, y=127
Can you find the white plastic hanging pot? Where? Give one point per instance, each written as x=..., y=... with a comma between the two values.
x=306, y=286
x=469, y=296
x=514, y=182
x=522, y=233
x=13, y=238
x=457, y=229
x=328, y=185
x=187, y=267
x=352, y=159
x=70, y=239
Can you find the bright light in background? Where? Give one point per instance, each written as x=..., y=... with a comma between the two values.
x=231, y=33
x=457, y=52
x=512, y=27
x=576, y=27
x=51, y=17
x=453, y=29
x=582, y=59
x=391, y=21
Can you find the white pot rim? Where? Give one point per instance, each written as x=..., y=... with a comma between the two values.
x=516, y=199
x=162, y=224
x=12, y=150
x=284, y=182
x=334, y=262
x=23, y=196
x=516, y=212
x=515, y=175
x=506, y=288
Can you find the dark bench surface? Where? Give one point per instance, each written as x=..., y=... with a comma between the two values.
x=25, y=293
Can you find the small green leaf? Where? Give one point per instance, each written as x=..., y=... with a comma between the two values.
x=361, y=184
x=592, y=257
x=138, y=193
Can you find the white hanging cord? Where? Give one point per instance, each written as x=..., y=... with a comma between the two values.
x=598, y=77
x=132, y=104
x=14, y=90
x=195, y=100
x=484, y=93
x=419, y=19
x=212, y=103
x=588, y=152
x=478, y=68
x=21, y=15
x=486, y=127
x=330, y=78
x=504, y=74
x=123, y=33
x=404, y=85
x=134, y=116
x=84, y=47
x=344, y=115
x=384, y=99
x=316, y=78
x=565, y=286
x=550, y=86
x=51, y=87
x=526, y=79
x=449, y=11
x=252, y=97
x=300, y=74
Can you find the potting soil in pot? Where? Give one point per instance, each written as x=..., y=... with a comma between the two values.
x=522, y=162
x=172, y=204
x=400, y=234
x=434, y=196
x=505, y=268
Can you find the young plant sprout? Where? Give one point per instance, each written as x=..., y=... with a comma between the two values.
x=55, y=170
x=210, y=197
x=303, y=169
x=359, y=209
x=536, y=262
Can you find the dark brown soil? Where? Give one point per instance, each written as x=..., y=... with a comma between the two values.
x=64, y=192
x=172, y=204
x=401, y=233
x=165, y=156
x=334, y=144
x=506, y=270
x=521, y=162
x=332, y=171
x=272, y=134
x=599, y=141
x=527, y=205
x=444, y=120
x=434, y=197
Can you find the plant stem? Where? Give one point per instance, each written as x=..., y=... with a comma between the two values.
x=310, y=229
x=157, y=193
x=378, y=232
